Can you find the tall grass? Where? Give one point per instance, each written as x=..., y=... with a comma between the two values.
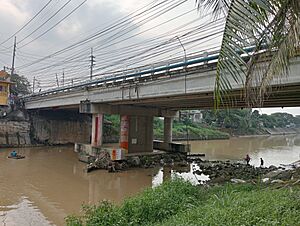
x=180, y=203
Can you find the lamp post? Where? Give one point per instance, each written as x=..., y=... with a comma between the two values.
x=184, y=51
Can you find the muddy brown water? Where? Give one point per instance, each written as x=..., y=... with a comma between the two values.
x=50, y=183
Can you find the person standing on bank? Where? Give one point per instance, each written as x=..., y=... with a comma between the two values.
x=261, y=162
x=247, y=159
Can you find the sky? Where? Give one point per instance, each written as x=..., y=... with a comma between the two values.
x=112, y=49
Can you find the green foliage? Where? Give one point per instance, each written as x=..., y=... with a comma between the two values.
x=112, y=129
x=158, y=128
x=239, y=206
x=180, y=203
x=244, y=121
x=153, y=205
x=21, y=85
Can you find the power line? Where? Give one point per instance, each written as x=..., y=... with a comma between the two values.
x=77, y=71
x=45, y=32
x=114, y=43
x=52, y=16
x=27, y=22
x=104, y=30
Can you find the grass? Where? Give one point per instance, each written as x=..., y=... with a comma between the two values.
x=180, y=203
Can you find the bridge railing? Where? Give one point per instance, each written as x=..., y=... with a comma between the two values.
x=133, y=73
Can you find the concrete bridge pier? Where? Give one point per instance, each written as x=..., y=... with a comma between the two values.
x=136, y=125
x=97, y=130
x=168, y=124
x=140, y=133
x=124, y=131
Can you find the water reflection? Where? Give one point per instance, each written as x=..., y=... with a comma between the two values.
x=178, y=171
x=22, y=213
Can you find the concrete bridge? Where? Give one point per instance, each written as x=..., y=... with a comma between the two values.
x=160, y=91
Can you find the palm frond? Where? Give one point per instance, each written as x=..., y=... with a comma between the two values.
x=218, y=7
x=260, y=38
x=278, y=65
x=244, y=25
x=281, y=39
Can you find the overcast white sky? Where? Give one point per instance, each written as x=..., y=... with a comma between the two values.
x=92, y=16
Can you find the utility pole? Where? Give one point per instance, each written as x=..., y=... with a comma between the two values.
x=57, y=80
x=14, y=55
x=92, y=61
x=33, y=84
x=63, y=78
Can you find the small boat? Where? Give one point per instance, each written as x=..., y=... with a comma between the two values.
x=16, y=157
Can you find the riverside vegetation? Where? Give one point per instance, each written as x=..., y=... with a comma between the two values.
x=180, y=203
x=214, y=125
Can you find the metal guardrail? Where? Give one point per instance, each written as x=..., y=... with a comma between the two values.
x=211, y=56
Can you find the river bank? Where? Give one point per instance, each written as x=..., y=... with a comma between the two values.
x=181, y=203
x=222, y=200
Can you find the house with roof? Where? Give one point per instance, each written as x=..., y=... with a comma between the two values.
x=5, y=84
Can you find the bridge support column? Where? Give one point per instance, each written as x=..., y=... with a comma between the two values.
x=140, y=134
x=97, y=130
x=124, y=132
x=168, y=123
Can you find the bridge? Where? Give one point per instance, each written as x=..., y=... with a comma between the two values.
x=156, y=91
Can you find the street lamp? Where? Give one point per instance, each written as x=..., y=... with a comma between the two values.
x=184, y=51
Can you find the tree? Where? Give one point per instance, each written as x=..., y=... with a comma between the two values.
x=255, y=31
x=21, y=85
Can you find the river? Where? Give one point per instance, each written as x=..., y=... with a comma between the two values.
x=50, y=183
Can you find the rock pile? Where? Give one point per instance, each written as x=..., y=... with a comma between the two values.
x=221, y=172
x=103, y=161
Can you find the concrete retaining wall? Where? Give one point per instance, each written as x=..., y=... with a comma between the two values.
x=60, y=127
x=14, y=133
x=283, y=131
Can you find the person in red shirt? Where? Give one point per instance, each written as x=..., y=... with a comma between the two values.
x=247, y=159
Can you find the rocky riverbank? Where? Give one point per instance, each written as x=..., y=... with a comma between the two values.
x=221, y=172
x=103, y=161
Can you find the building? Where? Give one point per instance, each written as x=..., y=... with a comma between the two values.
x=195, y=116
x=4, y=88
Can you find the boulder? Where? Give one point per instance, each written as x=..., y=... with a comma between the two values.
x=277, y=181
x=135, y=161
x=273, y=174
x=238, y=181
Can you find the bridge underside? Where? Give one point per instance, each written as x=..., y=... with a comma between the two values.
x=279, y=96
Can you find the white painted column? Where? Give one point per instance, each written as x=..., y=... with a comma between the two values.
x=97, y=130
x=168, y=122
x=124, y=132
